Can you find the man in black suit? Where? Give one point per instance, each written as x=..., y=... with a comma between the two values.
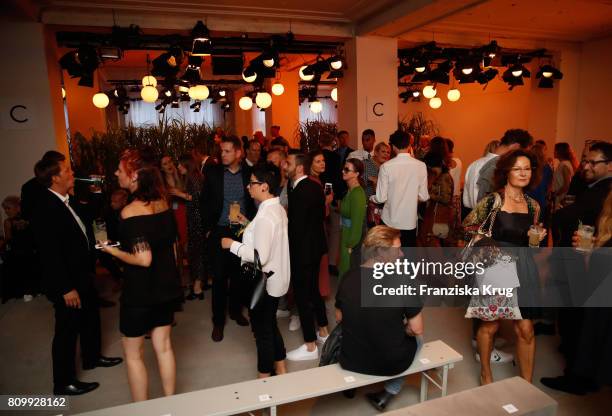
x=224, y=184
x=307, y=244
x=32, y=189
x=597, y=173
x=68, y=280
x=343, y=148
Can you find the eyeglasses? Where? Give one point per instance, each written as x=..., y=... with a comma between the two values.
x=521, y=170
x=347, y=170
x=593, y=163
x=251, y=183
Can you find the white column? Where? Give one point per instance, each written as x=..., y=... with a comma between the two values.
x=367, y=94
x=27, y=120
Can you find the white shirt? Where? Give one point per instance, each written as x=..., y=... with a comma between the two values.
x=268, y=233
x=298, y=180
x=402, y=183
x=456, y=175
x=470, y=187
x=359, y=154
x=66, y=201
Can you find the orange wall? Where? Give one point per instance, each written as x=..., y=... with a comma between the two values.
x=484, y=115
x=83, y=116
x=285, y=111
x=593, y=112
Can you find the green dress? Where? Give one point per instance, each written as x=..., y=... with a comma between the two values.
x=353, y=212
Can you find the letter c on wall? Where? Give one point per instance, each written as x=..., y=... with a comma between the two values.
x=13, y=115
x=375, y=109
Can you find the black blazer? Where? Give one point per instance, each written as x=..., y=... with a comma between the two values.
x=307, y=241
x=333, y=173
x=66, y=256
x=587, y=209
x=211, y=198
x=30, y=194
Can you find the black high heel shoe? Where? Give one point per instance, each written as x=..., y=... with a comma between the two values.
x=192, y=295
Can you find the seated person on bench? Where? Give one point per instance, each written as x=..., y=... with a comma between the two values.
x=378, y=341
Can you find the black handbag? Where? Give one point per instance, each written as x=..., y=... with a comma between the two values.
x=330, y=353
x=255, y=279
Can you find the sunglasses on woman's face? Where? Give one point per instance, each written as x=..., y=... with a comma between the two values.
x=347, y=170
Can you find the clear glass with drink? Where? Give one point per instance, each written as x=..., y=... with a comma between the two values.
x=585, y=237
x=534, y=233
x=234, y=211
x=100, y=234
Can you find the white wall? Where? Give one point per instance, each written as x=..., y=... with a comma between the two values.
x=24, y=80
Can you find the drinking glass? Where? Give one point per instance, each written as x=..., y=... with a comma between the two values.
x=234, y=210
x=100, y=234
x=534, y=233
x=585, y=237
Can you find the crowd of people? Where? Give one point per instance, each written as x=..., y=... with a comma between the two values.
x=305, y=217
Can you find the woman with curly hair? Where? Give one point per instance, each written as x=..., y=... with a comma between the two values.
x=512, y=213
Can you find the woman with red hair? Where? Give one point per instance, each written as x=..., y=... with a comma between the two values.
x=151, y=291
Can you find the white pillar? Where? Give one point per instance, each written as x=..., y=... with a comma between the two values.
x=28, y=119
x=367, y=94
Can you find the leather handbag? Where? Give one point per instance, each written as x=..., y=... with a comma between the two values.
x=255, y=279
x=330, y=353
x=441, y=218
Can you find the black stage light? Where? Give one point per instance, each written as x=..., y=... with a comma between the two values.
x=202, y=46
x=547, y=73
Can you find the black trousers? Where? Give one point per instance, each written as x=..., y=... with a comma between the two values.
x=268, y=339
x=226, y=278
x=408, y=237
x=310, y=304
x=71, y=323
x=570, y=320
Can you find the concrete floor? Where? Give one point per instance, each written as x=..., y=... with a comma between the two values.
x=27, y=330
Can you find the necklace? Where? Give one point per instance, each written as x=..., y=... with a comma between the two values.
x=520, y=198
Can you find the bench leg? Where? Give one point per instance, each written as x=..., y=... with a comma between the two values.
x=273, y=411
x=444, y=379
x=424, y=386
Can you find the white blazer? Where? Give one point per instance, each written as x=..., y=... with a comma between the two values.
x=268, y=234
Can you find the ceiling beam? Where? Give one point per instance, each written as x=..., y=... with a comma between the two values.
x=411, y=15
x=237, y=23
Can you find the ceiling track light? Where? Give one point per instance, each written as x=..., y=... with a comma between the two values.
x=249, y=74
x=335, y=62
x=201, y=46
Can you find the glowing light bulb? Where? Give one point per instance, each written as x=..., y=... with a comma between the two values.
x=429, y=91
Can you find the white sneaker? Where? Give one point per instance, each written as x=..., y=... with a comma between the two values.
x=302, y=354
x=499, y=343
x=283, y=313
x=321, y=340
x=294, y=323
x=498, y=357
x=27, y=298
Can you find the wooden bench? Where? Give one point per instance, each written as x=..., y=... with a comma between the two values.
x=292, y=387
x=512, y=396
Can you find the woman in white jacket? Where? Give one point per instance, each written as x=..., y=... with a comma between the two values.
x=267, y=234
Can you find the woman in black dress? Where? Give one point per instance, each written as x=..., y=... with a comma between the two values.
x=516, y=171
x=151, y=291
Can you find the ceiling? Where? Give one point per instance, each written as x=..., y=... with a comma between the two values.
x=465, y=21
x=555, y=20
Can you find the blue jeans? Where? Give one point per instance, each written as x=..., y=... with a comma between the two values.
x=394, y=386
